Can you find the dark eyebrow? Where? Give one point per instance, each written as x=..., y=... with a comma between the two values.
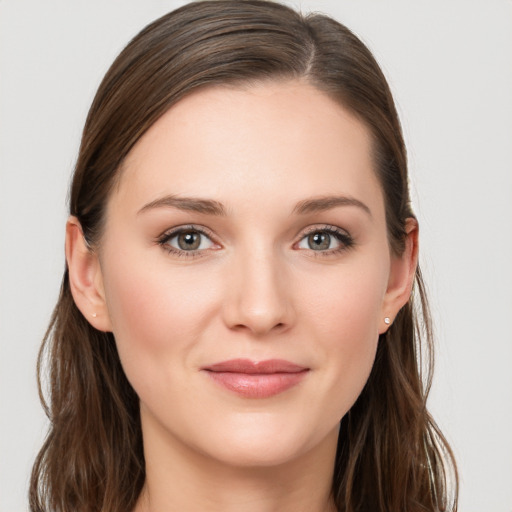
x=211, y=207
x=194, y=204
x=319, y=204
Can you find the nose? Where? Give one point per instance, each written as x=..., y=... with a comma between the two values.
x=258, y=298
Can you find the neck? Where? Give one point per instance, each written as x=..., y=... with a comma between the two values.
x=179, y=478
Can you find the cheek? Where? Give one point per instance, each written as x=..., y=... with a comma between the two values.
x=345, y=319
x=157, y=315
x=348, y=303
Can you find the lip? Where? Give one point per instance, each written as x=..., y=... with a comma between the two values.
x=256, y=379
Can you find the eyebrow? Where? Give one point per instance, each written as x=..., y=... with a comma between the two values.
x=320, y=204
x=193, y=204
x=211, y=207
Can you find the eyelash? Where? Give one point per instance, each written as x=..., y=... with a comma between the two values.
x=169, y=235
x=346, y=241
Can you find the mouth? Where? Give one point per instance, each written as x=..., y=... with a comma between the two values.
x=256, y=379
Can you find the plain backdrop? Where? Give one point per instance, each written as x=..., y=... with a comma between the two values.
x=449, y=66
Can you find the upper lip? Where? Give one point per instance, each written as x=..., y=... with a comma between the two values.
x=256, y=367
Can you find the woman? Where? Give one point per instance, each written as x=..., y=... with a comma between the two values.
x=236, y=329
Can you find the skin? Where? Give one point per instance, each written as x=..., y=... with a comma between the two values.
x=256, y=288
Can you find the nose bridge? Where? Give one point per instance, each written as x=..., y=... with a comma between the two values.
x=258, y=295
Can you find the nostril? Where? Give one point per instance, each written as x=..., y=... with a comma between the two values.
x=257, y=302
x=258, y=329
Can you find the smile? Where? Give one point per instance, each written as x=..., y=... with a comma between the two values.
x=251, y=379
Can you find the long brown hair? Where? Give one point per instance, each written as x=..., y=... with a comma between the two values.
x=391, y=456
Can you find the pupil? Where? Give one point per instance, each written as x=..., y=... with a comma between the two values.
x=189, y=241
x=319, y=241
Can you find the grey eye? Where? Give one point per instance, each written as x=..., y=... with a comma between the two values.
x=319, y=241
x=189, y=240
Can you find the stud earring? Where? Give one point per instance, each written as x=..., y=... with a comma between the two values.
x=94, y=315
x=387, y=321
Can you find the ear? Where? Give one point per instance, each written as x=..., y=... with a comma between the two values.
x=85, y=277
x=401, y=276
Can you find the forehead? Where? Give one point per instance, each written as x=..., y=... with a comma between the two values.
x=279, y=140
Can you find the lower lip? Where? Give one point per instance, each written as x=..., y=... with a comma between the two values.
x=259, y=385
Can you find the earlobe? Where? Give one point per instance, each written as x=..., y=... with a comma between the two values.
x=401, y=277
x=85, y=277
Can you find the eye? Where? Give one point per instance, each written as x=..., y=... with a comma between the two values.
x=186, y=240
x=329, y=239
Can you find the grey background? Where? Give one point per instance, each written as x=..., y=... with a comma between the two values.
x=449, y=65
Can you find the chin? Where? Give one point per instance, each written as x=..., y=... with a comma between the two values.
x=256, y=454
x=262, y=443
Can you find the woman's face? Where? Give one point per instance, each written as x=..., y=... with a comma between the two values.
x=247, y=273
